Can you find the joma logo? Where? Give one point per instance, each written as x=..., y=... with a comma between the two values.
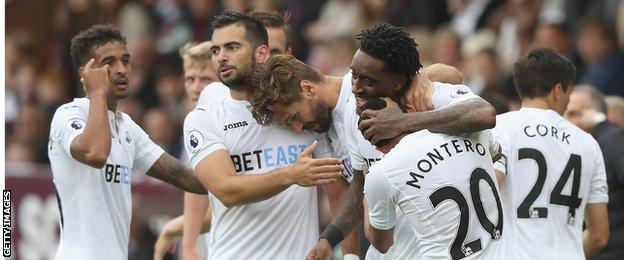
x=235, y=125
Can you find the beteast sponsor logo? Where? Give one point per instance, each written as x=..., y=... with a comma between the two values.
x=234, y=125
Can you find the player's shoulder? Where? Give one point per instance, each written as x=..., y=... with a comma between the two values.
x=79, y=107
x=215, y=91
x=455, y=90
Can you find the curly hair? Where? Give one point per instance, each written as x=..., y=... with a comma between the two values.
x=392, y=45
x=83, y=44
x=278, y=83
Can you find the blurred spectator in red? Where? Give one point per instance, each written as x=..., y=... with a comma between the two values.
x=604, y=62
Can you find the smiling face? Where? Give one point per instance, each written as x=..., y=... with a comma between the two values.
x=371, y=80
x=116, y=55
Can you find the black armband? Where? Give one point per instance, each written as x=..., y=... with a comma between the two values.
x=333, y=234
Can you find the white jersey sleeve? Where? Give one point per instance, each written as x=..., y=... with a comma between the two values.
x=201, y=138
x=599, y=191
x=71, y=122
x=214, y=91
x=499, y=133
x=351, y=126
x=381, y=198
x=446, y=95
x=147, y=152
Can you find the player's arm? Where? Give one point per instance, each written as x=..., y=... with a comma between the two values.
x=195, y=209
x=469, y=116
x=349, y=218
x=93, y=145
x=596, y=236
x=172, y=230
x=170, y=170
x=379, y=210
x=381, y=239
x=217, y=173
x=443, y=73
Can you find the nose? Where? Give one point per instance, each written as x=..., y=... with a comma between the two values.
x=122, y=69
x=297, y=127
x=222, y=57
x=355, y=86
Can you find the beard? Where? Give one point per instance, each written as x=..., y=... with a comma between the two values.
x=322, y=119
x=242, y=79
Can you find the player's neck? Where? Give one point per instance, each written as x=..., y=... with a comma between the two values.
x=331, y=90
x=240, y=95
x=541, y=103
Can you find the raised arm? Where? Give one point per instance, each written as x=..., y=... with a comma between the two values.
x=93, y=145
x=217, y=173
x=172, y=171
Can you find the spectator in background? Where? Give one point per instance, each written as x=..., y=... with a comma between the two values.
x=30, y=129
x=615, y=110
x=557, y=36
x=603, y=60
x=446, y=47
x=587, y=110
x=161, y=128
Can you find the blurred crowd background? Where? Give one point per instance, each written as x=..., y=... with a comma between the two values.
x=482, y=38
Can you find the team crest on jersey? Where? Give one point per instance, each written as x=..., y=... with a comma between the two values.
x=75, y=124
x=128, y=138
x=196, y=141
x=459, y=91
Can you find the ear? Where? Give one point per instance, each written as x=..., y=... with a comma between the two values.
x=81, y=71
x=557, y=92
x=399, y=83
x=289, y=51
x=308, y=88
x=262, y=54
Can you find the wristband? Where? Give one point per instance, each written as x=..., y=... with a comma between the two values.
x=333, y=235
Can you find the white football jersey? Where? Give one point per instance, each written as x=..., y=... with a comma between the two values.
x=552, y=171
x=214, y=91
x=96, y=204
x=337, y=128
x=446, y=188
x=363, y=154
x=282, y=227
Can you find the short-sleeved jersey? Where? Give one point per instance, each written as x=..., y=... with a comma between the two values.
x=446, y=188
x=363, y=154
x=284, y=226
x=96, y=204
x=214, y=91
x=552, y=171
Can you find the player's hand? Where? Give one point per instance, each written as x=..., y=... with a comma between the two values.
x=165, y=243
x=418, y=96
x=95, y=80
x=378, y=125
x=309, y=171
x=320, y=251
x=191, y=254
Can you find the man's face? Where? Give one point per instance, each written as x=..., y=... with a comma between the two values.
x=277, y=41
x=232, y=53
x=370, y=80
x=309, y=113
x=579, y=110
x=196, y=78
x=116, y=55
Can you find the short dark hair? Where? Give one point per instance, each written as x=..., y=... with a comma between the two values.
x=275, y=19
x=83, y=44
x=392, y=45
x=255, y=31
x=540, y=70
